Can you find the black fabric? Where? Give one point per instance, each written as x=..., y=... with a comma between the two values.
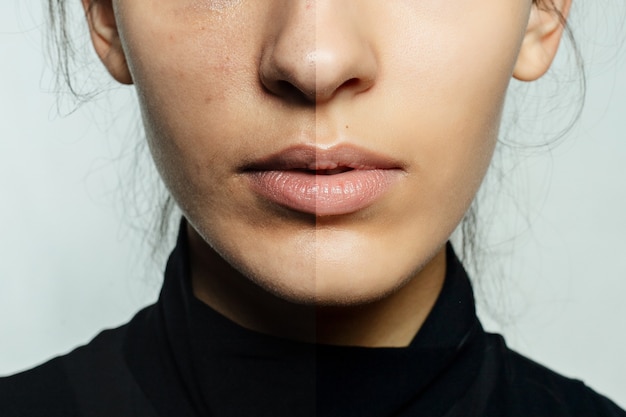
x=180, y=358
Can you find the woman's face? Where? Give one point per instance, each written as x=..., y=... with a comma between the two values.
x=255, y=108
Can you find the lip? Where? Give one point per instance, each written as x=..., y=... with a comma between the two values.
x=323, y=181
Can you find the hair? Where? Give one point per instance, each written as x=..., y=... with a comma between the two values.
x=63, y=50
x=472, y=247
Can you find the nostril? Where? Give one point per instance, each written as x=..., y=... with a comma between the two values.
x=353, y=85
x=352, y=82
x=287, y=90
x=293, y=90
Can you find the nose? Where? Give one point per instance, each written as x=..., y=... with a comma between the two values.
x=318, y=51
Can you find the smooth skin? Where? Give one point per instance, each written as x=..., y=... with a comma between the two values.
x=224, y=82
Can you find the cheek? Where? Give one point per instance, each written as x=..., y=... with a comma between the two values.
x=454, y=73
x=195, y=79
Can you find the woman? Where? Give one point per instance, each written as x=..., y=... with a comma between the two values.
x=322, y=153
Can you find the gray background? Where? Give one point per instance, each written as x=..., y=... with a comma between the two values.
x=72, y=262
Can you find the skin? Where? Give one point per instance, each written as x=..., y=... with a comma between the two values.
x=224, y=82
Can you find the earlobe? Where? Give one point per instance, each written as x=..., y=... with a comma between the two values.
x=543, y=36
x=105, y=38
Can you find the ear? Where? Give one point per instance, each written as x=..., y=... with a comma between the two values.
x=106, y=39
x=541, y=42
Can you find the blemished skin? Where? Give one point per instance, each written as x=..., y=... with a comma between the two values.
x=223, y=84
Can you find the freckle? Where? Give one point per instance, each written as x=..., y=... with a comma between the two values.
x=346, y=126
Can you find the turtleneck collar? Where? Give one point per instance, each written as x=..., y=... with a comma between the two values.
x=202, y=364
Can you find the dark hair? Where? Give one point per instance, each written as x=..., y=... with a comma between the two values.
x=62, y=48
x=65, y=55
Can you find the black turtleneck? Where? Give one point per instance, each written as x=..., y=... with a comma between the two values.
x=180, y=358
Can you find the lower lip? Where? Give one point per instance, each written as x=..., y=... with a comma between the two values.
x=324, y=195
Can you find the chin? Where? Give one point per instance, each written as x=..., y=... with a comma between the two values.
x=345, y=272
x=346, y=263
x=305, y=273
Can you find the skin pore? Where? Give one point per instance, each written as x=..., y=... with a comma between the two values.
x=223, y=84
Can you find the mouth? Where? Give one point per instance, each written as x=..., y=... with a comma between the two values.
x=323, y=182
x=335, y=171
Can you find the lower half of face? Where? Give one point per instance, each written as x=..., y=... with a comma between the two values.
x=417, y=85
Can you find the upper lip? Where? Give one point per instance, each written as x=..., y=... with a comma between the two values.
x=341, y=157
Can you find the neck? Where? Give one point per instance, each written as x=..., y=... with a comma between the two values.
x=392, y=321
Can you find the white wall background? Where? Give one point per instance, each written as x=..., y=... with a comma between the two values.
x=70, y=264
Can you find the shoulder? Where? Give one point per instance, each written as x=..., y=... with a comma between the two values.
x=533, y=389
x=92, y=380
x=41, y=391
